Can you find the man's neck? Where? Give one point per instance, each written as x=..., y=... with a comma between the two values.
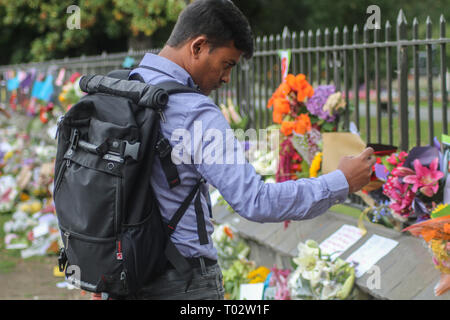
x=173, y=55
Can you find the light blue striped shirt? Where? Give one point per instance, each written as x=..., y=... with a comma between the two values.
x=189, y=114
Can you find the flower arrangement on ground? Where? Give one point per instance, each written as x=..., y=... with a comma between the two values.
x=318, y=277
x=229, y=246
x=436, y=233
x=413, y=183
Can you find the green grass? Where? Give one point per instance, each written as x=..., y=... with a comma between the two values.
x=411, y=103
x=424, y=127
x=347, y=210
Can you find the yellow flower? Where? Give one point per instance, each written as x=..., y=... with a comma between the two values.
x=440, y=255
x=258, y=275
x=24, y=197
x=315, y=165
x=440, y=211
x=7, y=156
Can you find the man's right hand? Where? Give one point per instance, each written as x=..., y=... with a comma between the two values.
x=357, y=170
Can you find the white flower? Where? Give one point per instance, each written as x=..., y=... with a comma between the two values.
x=334, y=102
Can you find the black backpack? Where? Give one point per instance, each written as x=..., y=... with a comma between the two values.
x=115, y=240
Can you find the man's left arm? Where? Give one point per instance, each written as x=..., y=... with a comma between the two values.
x=219, y=158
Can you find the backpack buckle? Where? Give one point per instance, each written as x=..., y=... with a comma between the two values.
x=163, y=147
x=131, y=150
x=62, y=260
x=74, y=137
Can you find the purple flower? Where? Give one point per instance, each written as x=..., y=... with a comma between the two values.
x=317, y=101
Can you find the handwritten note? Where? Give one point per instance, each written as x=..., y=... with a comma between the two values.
x=341, y=240
x=370, y=253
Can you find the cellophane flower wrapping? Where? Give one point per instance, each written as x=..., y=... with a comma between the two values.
x=229, y=246
x=318, y=277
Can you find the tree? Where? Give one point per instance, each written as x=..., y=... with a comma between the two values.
x=34, y=30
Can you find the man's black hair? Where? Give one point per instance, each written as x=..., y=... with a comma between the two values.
x=219, y=20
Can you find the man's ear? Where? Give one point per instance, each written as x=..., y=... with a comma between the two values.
x=198, y=46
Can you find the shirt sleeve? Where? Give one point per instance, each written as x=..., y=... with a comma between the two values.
x=220, y=159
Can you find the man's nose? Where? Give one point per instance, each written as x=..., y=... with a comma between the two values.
x=226, y=77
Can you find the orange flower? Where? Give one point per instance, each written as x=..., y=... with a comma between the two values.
x=228, y=232
x=277, y=117
x=428, y=234
x=282, y=91
x=287, y=127
x=447, y=228
x=306, y=91
x=302, y=124
x=281, y=105
x=296, y=82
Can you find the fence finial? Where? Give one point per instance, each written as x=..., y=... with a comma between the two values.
x=429, y=28
x=388, y=24
x=401, y=18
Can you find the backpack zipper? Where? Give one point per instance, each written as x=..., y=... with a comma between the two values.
x=118, y=216
x=67, y=235
x=83, y=237
x=60, y=175
x=58, y=125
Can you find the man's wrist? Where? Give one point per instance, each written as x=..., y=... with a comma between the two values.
x=337, y=185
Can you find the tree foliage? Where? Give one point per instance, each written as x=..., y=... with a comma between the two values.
x=34, y=30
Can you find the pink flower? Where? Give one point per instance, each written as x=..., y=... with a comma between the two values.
x=425, y=179
x=402, y=171
x=392, y=159
x=400, y=194
x=397, y=159
x=402, y=156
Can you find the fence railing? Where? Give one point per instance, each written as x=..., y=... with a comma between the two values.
x=395, y=88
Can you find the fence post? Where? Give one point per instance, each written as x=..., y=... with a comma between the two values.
x=415, y=36
x=345, y=36
x=429, y=67
x=389, y=83
x=443, y=77
x=318, y=44
x=356, y=75
x=402, y=74
x=327, y=56
x=310, y=62
x=336, y=61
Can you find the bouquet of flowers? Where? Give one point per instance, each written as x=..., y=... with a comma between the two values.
x=303, y=113
x=71, y=92
x=236, y=275
x=318, y=277
x=232, y=116
x=436, y=233
x=33, y=229
x=229, y=246
x=413, y=183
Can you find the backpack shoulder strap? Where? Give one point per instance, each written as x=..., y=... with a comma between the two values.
x=122, y=74
x=173, y=87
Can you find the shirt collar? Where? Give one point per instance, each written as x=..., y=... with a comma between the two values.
x=168, y=67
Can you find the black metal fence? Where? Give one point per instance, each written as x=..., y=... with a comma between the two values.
x=396, y=88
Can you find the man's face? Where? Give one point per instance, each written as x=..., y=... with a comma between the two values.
x=213, y=68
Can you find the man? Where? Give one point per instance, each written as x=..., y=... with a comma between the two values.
x=208, y=39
